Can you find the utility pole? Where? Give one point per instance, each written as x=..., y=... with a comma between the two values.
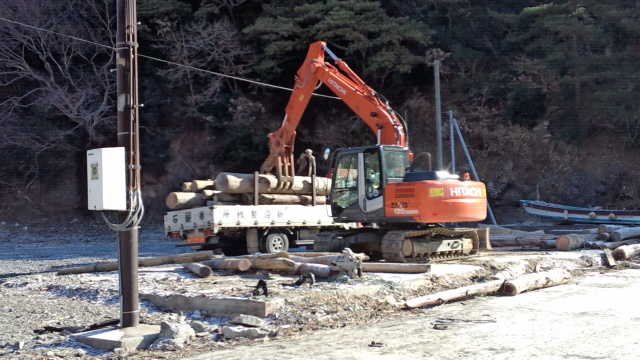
x=436, y=80
x=126, y=52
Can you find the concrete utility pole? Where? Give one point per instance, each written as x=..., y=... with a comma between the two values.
x=436, y=79
x=128, y=239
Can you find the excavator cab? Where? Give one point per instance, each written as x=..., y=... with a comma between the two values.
x=359, y=179
x=375, y=184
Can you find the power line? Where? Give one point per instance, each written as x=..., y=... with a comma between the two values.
x=165, y=61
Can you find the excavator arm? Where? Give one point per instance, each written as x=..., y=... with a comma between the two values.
x=373, y=109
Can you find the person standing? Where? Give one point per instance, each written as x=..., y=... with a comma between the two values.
x=306, y=163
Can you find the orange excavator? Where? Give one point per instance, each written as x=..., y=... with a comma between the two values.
x=400, y=201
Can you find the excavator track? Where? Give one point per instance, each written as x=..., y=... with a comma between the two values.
x=429, y=245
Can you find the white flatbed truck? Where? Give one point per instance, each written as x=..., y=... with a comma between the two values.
x=241, y=229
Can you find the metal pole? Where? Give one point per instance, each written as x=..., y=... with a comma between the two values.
x=436, y=78
x=128, y=240
x=473, y=168
x=452, y=140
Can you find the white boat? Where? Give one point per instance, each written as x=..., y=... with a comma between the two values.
x=571, y=214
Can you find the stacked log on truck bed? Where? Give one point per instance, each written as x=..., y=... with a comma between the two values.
x=235, y=188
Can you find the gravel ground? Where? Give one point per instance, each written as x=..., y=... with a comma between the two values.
x=41, y=310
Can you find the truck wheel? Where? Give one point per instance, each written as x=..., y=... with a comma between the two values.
x=274, y=243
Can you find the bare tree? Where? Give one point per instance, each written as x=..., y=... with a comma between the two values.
x=53, y=86
x=215, y=47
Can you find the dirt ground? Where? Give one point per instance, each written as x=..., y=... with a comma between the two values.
x=336, y=318
x=594, y=317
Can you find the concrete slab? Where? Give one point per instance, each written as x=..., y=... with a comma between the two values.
x=217, y=306
x=131, y=338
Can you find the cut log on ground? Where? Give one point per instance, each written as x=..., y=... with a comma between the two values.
x=625, y=233
x=605, y=236
x=202, y=271
x=317, y=270
x=519, y=240
x=616, y=244
x=395, y=268
x=184, y=200
x=467, y=291
x=284, y=199
x=243, y=183
x=593, y=244
x=547, y=244
x=536, y=281
x=604, y=228
x=626, y=252
x=272, y=264
x=573, y=241
x=589, y=231
x=143, y=262
x=228, y=264
x=316, y=254
x=455, y=294
x=199, y=185
x=510, y=272
x=324, y=260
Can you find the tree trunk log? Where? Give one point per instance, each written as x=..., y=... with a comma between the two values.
x=272, y=263
x=616, y=244
x=228, y=198
x=455, y=294
x=573, y=241
x=243, y=183
x=143, y=262
x=605, y=236
x=547, y=244
x=284, y=199
x=199, y=185
x=471, y=290
x=604, y=228
x=318, y=270
x=625, y=233
x=589, y=231
x=536, y=281
x=202, y=271
x=324, y=260
x=519, y=240
x=186, y=186
x=228, y=264
x=511, y=272
x=395, y=268
x=184, y=200
x=594, y=244
x=626, y=252
x=209, y=194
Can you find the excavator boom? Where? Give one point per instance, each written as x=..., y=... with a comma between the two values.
x=373, y=109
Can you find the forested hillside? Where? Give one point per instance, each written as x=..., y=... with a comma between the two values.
x=544, y=91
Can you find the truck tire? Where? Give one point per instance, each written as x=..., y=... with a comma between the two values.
x=274, y=242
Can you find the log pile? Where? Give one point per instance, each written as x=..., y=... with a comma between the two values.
x=241, y=189
x=605, y=237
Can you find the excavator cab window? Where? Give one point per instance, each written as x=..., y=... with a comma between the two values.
x=345, y=189
x=373, y=183
x=395, y=164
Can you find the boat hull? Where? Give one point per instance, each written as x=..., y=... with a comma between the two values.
x=577, y=215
